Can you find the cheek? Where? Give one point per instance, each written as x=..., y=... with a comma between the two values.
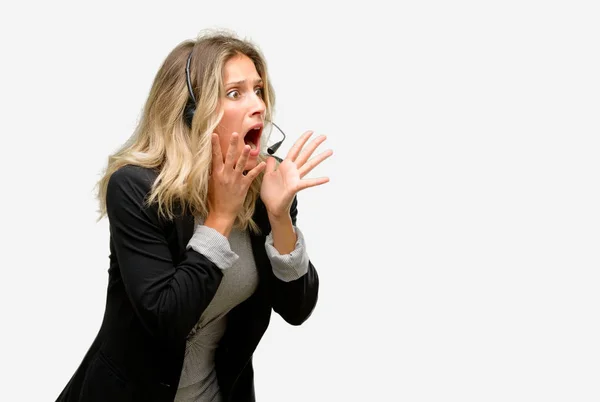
x=229, y=119
x=229, y=123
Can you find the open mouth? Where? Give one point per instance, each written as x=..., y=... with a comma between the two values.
x=252, y=137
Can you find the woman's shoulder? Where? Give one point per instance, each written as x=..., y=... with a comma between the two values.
x=131, y=180
x=134, y=174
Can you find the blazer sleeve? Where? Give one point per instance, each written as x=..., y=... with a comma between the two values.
x=168, y=299
x=295, y=300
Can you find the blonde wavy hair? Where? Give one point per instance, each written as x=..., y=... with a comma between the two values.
x=181, y=155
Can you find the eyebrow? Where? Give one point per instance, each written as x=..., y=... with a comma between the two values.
x=240, y=82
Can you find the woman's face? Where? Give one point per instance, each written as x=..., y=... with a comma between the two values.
x=243, y=106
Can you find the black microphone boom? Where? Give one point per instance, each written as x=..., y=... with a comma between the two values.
x=273, y=148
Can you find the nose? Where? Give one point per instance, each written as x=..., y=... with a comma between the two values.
x=257, y=105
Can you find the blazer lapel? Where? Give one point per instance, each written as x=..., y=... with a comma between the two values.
x=258, y=240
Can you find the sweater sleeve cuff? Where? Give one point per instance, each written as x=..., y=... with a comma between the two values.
x=288, y=267
x=213, y=245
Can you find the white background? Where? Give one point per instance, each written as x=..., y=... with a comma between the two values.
x=457, y=242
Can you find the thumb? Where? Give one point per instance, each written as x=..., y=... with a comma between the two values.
x=271, y=164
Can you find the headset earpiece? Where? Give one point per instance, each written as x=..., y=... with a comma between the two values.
x=188, y=112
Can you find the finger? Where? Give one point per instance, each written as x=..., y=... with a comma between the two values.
x=306, y=183
x=295, y=149
x=252, y=174
x=308, y=151
x=241, y=163
x=311, y=164
x=232, y=151
x=271, y=164
x=252, y=157
x=217, y=157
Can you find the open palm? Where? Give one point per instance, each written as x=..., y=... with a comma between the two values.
x=281, y=183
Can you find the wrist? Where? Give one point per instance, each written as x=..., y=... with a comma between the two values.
x=279, y=217
x=221, y=223
x=282, y=231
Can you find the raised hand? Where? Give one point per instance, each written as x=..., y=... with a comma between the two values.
x=228, y=186
x=280, y=184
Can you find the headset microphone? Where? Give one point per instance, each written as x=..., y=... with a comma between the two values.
x=273, y=148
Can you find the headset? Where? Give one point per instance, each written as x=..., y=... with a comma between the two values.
x=190, y=108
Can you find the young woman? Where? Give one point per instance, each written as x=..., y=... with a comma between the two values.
x=203, y=235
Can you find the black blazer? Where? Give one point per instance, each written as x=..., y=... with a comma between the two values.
x=157, y=291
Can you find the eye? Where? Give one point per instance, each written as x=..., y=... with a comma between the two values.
x=260, y=91
x=233, y=94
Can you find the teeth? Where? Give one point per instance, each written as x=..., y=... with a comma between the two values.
x=252, y=145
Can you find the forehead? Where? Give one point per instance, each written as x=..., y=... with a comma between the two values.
x=239, y=67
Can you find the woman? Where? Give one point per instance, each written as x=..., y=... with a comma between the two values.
x=203, y=235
